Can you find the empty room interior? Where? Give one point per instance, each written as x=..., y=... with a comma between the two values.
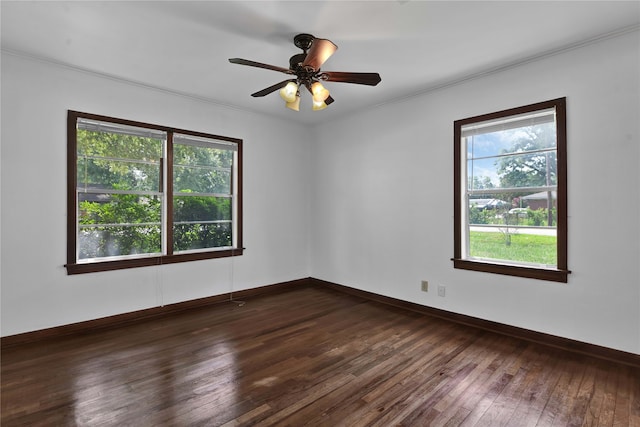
x=320, y=213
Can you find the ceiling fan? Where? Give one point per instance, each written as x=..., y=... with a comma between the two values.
x=305, y=67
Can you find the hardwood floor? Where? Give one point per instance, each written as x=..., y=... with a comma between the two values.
x=309, y=356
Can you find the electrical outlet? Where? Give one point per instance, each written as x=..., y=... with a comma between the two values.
x=425, y=286
x=441, y=290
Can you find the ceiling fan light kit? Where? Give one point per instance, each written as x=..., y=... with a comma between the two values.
x=305, y=67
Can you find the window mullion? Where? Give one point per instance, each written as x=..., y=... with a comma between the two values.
x=234, y=201
x=168, y=204
x=497, y=190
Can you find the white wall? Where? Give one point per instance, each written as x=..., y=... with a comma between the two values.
x=383, y=198
x=36, y=291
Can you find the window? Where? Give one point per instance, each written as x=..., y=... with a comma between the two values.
x=510, y=205
x=123, y=212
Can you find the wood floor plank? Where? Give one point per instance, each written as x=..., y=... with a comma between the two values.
x=504, y=404
x=621, y=415
x=595, y=403
x=449, y=405
x=634, y=398
x=528, y=401
x=484, y=397
x=470, y=393
x=609, y=402
x=308, y=356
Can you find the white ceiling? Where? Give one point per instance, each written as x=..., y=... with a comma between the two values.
x=416, y=46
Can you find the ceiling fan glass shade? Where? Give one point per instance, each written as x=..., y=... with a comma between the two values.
x=319, y=105
x=295, y=104
x=288, y=93
x=320, y=93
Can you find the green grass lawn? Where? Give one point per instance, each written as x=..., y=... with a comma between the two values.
x=524, y=247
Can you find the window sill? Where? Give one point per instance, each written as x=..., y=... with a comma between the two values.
x=93, y=267
x=553, y=275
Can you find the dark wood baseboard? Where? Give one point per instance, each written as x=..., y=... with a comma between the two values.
x=146, y=314
x=574, y=346
x=580, y=347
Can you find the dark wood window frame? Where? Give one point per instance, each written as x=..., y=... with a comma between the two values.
x=75, y=267
x=559, y=274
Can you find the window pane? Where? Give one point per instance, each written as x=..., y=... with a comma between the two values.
x=201, y=222
x=118, y=224
x=201, y=179
x=517, y=157
x=201, y=169
x=118, y=240
x=519, y=228
x=515, y=140
x=522, y=209
x=488, y=209
x=103, y=208
x=103, y=174
x=513, y=171
x=201, y=236
x=518, y=246
x=117, y=161
x=117, y=145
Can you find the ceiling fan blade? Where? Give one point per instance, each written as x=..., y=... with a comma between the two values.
x=271, y=89
x=320, y=51
x=259, y=65
x=370, y=79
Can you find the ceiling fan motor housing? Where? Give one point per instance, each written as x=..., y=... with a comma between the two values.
x=303, y=41
x=296, y=60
